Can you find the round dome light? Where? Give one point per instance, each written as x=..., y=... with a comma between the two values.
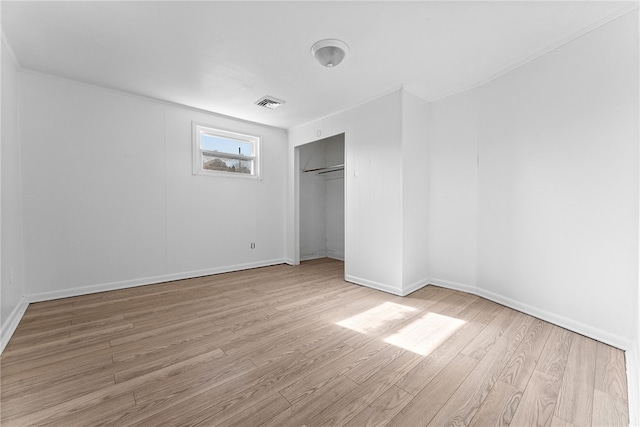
x=330, y=52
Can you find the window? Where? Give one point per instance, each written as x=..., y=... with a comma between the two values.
x=218, y=152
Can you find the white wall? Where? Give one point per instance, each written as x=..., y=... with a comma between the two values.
x=558, y=183
x=110, y=199
x=415, y=186
x=557, y=186
x=12, y=304
x=452, y=191
x=211, y=221
x=374, y=194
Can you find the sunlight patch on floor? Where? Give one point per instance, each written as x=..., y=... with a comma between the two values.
x=371, y=320
x=424, y=335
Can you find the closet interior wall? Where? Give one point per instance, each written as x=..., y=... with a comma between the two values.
x=322, y=199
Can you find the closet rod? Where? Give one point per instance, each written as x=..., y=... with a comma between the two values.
x=326, y=169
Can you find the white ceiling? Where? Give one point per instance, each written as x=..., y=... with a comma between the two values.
x=223, y=56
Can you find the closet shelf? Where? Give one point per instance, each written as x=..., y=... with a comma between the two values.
x=327, y=169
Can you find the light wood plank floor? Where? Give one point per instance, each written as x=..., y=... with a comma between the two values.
x=293, y=346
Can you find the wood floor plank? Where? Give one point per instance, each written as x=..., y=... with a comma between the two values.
x=86, y=416
x=257, y=414
x=268, y=347
x=71, y=368
x=213, y=373
x=378, y=361
x=499, y=407
x=338, y=309
x=45, y=395
x=381, y=319
x=538, y=401
x=232, y=398
x=414, y=381
x=183, y=309
x=429, y=401
x=52, y=354
x=97, y=396
x=25, y=328
x=302, y=412
x=488, y=310
x=518, y=370
x=559, y=422
x=555, y=354
x=482, y=343
x=426, y=333
x=611, y=375
x=160, y=331
x=43, y=337
x=466, y=401
x=575, y=398
x=37, y=350
x=609, y=410
x=297, y=345
x=160, y=318
x=308, y=384
x=154, y=393
x=340, y=412
x=126, y=371
x=336, y=339
x=311, y=339
x=382, y=410
x=39, y=311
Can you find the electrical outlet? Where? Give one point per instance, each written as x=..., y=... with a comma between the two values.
x=253, y=245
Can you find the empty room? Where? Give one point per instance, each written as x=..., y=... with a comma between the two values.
x=308, y=213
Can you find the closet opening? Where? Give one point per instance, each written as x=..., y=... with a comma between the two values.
x=321, y=200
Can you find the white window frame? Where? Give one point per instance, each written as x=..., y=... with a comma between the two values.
x=198, y=129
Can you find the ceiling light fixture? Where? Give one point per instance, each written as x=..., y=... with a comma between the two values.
x=330, y=52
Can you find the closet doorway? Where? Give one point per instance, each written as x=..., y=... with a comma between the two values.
x=321, y=198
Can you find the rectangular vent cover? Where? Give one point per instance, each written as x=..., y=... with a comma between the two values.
x=269, y=102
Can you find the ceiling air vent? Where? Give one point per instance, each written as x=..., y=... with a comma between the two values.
x=269, y=102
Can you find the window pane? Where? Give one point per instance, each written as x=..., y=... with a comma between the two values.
x=224, y=151
x=225, y=145
x=226, y=165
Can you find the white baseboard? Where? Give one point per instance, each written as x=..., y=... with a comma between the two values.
x=9, y=327
x=556, y=319
x=454, y=285
x=374, y=285
x=335, y=255
x=402, y=292
x=319, y=255
x=414, y=287
x=103, y=287
x=314, y=255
